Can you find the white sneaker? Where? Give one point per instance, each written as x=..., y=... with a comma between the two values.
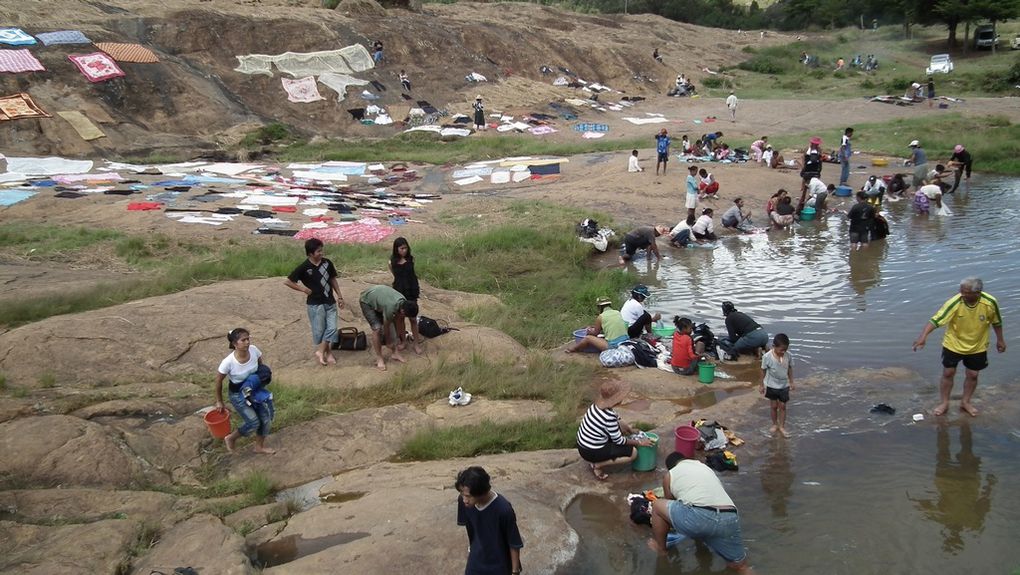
x=459, y=397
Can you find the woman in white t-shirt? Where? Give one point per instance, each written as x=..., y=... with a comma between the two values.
x=243, y=362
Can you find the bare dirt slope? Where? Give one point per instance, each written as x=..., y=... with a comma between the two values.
x=193, y=98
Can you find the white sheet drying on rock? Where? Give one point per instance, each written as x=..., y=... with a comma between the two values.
x=339, y=82
x=642, y=121
x=47, y=166
x=354, y=58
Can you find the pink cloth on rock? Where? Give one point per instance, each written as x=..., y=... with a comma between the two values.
x=97, y=66
x=356, y=233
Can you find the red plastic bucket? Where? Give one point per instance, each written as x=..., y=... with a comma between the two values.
x=687, y=438
x=219, y=423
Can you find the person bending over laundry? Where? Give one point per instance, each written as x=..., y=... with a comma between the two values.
x=641, y=238
x=609, y=323
x=602, y=438
x=723, y=153
x=703, y=229
x=696, y=506
x=634, y=313
x=862, y=219
x=758, y=148
x=737, y=218
x=960, y=162
x=782, y=217
x=743, y=333
x=874, y=189
x=680, y=235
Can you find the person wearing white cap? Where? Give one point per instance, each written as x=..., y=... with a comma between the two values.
x=479, y=113
x=731, y=103
x=918, y=159
x=960, y=162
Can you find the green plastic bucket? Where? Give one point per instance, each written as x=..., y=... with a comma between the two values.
x=807, y=214
x=706, y=372
x=645, y=460
x=664, y=331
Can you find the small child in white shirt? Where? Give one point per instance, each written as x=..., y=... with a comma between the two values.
x=632, y=163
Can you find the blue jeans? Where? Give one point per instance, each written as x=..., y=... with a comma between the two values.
x=844, y=171
x=323, y=320
x=750, y=342
x=720, y=530
x=258, y=417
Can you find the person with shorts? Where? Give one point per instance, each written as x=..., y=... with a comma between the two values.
x=639, y=239
x=662, y=143
x=608, y=323
x=777, y=380
x=602, y=438
x=317, y=276
x=385, y=308
x=691, y=201
x=967, y=317
x=696, y=506
x=862, y=220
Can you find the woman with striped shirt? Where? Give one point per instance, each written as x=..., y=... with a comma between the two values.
x=602, y=438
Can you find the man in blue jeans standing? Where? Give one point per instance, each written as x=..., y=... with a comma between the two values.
x=316, y=278
x=696, y=506
x=845, y=154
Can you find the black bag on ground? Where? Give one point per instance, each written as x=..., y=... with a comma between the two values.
x=351, y=339
x=644, y=354
x=430, y=328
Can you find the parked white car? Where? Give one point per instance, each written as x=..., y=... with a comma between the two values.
x=940, y=63
x=1016, y=43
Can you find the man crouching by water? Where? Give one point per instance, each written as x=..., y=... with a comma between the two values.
x=696, y=506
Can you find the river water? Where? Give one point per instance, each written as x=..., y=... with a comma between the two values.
x=853, y=492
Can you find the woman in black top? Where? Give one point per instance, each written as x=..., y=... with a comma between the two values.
x=405, y=280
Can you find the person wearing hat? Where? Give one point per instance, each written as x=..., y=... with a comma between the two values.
x=609, y=323
x=744, y=334
x=731, y=104
x=602, y=439
x=960, y=162
x=641, y=238
x=662, y=143
x=479, y=113
x=918, y=159
x=634, y=313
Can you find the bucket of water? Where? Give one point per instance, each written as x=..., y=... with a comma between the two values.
x=706, y=372
x=645, y=460
x=687, y=438
x=844, y=191
x=218, y=423
x=664, y=331
x=807, y=214
x=579, y=335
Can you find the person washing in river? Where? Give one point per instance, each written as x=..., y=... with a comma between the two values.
x=608, y=323
x=683, y=359
x=634, y=313
x=744, y=335
x=641, y=238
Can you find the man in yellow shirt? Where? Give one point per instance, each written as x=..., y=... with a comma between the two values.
x=966, y=317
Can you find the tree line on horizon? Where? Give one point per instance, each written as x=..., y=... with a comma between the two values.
x=790, y=15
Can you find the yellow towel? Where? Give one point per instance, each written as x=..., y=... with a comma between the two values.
x=81, y=124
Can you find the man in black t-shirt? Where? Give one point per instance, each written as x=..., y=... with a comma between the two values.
x=317, y=278
x=743, y=333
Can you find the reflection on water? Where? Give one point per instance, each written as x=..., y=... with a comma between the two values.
x=852, y=492
x=962, y=497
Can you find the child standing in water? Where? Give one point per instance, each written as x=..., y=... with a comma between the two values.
x=777, y=380
x=405, y=280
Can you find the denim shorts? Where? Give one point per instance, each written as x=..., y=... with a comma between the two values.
x=323, y=320
x=720, y=530
x=258, y=417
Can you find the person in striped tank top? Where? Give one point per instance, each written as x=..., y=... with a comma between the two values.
x=602, y=438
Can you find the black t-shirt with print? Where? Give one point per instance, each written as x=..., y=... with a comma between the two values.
x=316, y=278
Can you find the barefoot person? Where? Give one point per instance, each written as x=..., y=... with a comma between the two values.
x=602, y=438
x=318, y=282
x=256, y=409
x=777, y=380
x=609, y=323
x=385, y=308
x=967, y=317
x=695, y=505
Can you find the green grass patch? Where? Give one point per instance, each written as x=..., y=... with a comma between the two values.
x=272, y=133
x=996, y=151
x=430, y=149
x=491, y=437
x=534, y=264
x=41, y=241
x=526, y=378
